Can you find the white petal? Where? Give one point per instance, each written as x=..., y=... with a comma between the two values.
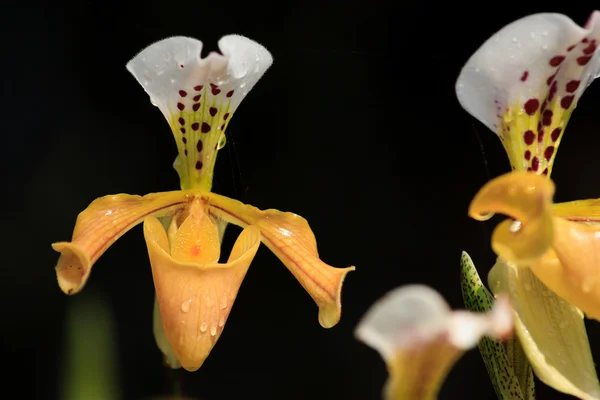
x=528, y=77
x=405, y=317
x=465, y=328
x=199, y=96
x=172, y=65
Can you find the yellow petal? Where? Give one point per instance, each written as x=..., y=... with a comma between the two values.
x=195, y=299
x=197, y=239
x=579, y=210
x=161, y=339
x=564, y=255
x=551, y=331
x=418, y=375
x=289, y=236
x=527, y=198
x=104, y=221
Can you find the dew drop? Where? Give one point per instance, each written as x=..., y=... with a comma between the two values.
x=153, y=101
x=209, y=301
x=223, y=303
x=222, y=141
x=185, y=306
x=213, y=330
x=515, y=40
x=564, y=325
x=222, y=320
x=203, y=327
x=515, y=227
x=242, y=85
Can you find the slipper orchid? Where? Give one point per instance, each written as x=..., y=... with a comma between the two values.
x=194, y=292
x=524, y=83
x=420, y=337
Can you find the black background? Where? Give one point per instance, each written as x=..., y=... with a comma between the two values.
x=356, y=127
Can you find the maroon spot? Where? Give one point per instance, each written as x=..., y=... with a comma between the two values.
x=545, y=171
x=181, y=121
x=571, y=47
x=196, y=106
x=547, y=118
x=584, y=40
x=230, y=93
x=531, y=106
x=529, y=169
x=225, y=116
x=549, y=152
x=527, y=155
x=555, y=134
x=550, y=79
x=553, y=90
x=214, y=89
x=212, y=111
x=544, y=105
x=540, y=136
x=184, y=140
x=205, y=127
x=180, y=65
x=182, y=93
x=195, y=126
x=182, y=130
x=524, y=76
x=198, y=164
x=556, y=60
x=572, y=86
x=566, y=101
x=583, y=60
x=185, y=152
x=199, y=146
x=180, y=106
x=529, y=137
x=198, y=88
x=196, y=98
x=222, y=127
x=535, y=164
x=590, y=49
x=539, y=126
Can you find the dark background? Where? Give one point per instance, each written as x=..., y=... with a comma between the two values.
x=355, y=127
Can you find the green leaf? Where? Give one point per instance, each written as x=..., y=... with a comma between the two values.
x=506, y=363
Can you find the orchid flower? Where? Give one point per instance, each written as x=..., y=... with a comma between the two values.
x=524, y=83
x=194, y=292
x=420, y=337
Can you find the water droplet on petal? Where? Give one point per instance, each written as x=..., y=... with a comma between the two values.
x=222, y=141
x=515, y=227
x=185, y=306
x=203, y=327
x=222, y=320
x=223, y=303
x=213, y=330
x=209, y=301
x=515, y=40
